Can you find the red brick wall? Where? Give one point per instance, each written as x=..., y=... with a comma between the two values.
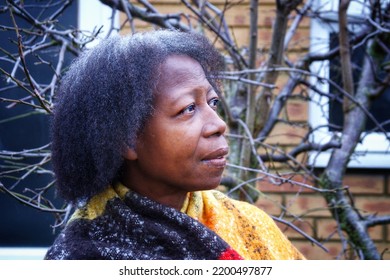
x=371, y=194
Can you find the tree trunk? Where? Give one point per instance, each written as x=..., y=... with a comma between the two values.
x=338, y=201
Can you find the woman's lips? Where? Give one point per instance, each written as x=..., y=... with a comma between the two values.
x=217, y=158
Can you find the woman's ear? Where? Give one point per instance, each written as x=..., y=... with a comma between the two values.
x=130, y=153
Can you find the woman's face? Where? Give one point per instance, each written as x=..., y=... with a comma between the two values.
x=182, y=147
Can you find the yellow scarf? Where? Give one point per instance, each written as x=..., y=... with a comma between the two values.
x=246, y=228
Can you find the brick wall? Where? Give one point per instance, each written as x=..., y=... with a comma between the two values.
x=370, y=189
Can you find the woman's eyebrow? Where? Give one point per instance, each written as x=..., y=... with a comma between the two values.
x=198, y=89
x=210, y=90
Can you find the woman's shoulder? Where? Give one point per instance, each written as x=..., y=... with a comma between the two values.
x=73, y=243
x=217, y=202
x=243, y=206
x=255, y=233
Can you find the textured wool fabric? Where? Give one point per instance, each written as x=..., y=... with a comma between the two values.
x=121, y=224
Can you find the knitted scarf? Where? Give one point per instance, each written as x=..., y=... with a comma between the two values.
x=120, y=224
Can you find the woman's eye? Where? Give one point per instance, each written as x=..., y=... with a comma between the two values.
x=188, y=110
x=214, y=103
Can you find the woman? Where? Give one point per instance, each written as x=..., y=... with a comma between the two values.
x=138, y=147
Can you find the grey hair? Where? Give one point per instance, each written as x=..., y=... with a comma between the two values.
x=104, y=101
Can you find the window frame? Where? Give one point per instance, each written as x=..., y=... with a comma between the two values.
x=374, y=149
x=93, y=16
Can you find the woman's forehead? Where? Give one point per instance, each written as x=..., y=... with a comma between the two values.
x=180, y=70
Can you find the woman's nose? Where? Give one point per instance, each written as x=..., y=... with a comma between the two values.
x=213, y=124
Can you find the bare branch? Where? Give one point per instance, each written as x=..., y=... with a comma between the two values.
x=25, y=200
x=345, y=56
x=374, y=221
x=169, y=21
x=297, y=229
x=128, y=14
x=281, y=179
x=34, y=91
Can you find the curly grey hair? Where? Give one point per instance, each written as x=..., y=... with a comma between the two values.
x=104, y=101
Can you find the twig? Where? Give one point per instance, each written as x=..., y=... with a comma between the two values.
x=230, y=47
x=129, y=16
x=297, y=229
x=283, y=180
x=374, y=221
x=246, y=81
x=23, y=200
x=252, y=144
x=294, y=26
x=60, y=63
x=26, y=71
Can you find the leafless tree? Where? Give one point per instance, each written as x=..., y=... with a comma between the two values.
x=253, y=104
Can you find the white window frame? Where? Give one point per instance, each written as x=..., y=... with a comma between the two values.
x=91, y=15
x=374, y=150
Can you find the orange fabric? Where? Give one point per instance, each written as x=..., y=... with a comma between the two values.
x=246, y=228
